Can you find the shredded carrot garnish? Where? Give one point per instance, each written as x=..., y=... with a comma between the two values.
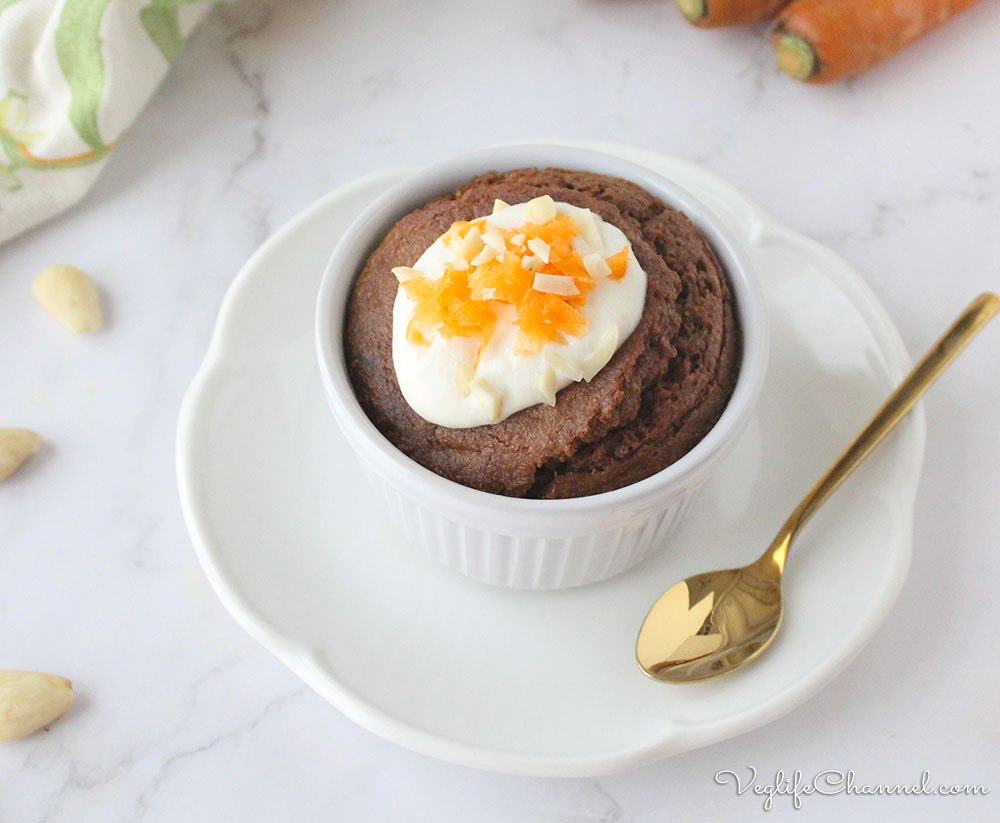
x=545, y=318
x=618, y=263
x=465, y=303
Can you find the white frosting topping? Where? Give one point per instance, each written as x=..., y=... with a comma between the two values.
x=447, y=385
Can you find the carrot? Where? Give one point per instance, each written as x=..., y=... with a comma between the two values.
x=711, y=13
x=824, y=40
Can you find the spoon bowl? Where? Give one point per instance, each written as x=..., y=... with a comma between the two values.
x=716, y=622
x=711, y=622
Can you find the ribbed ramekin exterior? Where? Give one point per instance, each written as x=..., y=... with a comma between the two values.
x=529, y=561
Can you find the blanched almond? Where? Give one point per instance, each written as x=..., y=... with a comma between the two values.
x=404, y=273
x=16, y=447
x=488, y=398
x=463, y=378
x=596, y=266
x=470, y=245
x=540, y=248
x=488, y=253
x=560, y=284
x=599, y=358
x=31, y=700
x=493, y=239
x=546, y=385
x=589, y=231
x=563, y=365
x=540, y=210
x=70, y=297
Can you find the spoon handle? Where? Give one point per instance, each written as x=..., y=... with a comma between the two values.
x=944, y=351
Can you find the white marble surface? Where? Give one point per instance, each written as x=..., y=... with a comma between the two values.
x=180, y=715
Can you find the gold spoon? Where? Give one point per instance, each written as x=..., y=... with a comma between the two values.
x=715, y=622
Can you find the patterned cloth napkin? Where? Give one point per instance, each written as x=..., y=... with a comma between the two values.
x=73, y=76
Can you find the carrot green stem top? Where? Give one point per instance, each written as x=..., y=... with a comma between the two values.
x=693, y=10
x=796, y=57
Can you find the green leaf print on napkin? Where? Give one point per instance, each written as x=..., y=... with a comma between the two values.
x=5, y=3
x=78, y=47
x=15, y=142
x=161, y=20
x=13, y=117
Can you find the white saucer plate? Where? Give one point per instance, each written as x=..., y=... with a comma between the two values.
x=541, y=683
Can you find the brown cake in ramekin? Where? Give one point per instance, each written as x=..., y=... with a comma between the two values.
x=663, y=390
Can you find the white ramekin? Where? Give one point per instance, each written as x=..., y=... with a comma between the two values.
x=530, y=544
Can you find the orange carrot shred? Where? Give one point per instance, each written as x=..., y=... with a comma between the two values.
x=618, y=263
